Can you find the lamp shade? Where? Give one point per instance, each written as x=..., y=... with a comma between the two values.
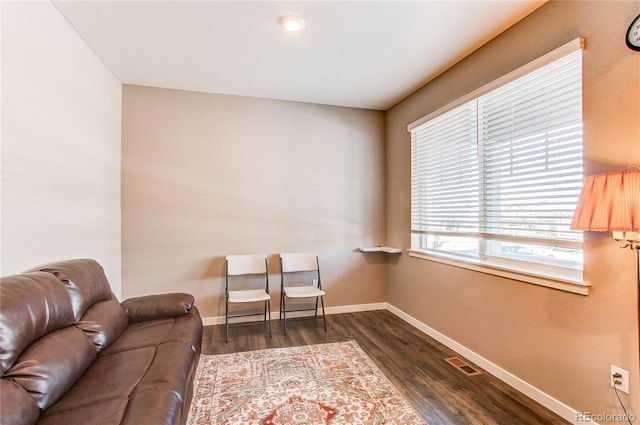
x=609, y=202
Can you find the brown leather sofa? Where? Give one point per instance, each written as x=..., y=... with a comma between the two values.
x=70, y=353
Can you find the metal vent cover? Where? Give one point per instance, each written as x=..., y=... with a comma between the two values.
x=463, y=366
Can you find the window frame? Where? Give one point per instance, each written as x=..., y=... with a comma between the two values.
x=562, y=278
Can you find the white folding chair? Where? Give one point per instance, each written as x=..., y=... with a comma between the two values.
x=244, y=265
x=295, y=265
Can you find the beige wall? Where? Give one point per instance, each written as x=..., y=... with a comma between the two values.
x=60, y=153
x=561, y=343
x=207, y=175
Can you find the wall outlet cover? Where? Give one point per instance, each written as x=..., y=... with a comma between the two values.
x=623, y=380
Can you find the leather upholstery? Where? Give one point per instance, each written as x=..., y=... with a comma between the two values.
x=152, y=307
x=31, y=306
x=70, y=353
x=50, y=366
x=17, y=406
x=104, y=322
x=85, y=281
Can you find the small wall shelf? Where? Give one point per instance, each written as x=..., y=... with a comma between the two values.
x=385, y=249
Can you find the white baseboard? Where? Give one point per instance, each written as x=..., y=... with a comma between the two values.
x=524, y=387
x=219, y=320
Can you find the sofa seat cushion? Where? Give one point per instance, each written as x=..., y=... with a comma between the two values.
x=166, y=390
x=186, y=328
x=110, y=377
x=142, y=382
x=105, y=412
x=177, y=357
x=154, y=406
x=139, y=335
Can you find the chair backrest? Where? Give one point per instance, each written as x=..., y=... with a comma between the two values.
x=299, y=262
x=246, y=264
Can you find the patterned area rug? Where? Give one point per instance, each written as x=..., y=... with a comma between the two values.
x=310, y=385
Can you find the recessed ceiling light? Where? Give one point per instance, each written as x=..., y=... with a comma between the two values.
x=292, y=23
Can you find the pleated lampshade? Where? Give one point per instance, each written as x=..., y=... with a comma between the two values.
x=609, y=202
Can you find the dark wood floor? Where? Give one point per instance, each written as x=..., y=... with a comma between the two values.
x=413, y=361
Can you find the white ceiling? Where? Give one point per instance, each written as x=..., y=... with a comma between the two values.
x=364, y=54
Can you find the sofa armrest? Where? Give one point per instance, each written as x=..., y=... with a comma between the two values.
x=153, y=307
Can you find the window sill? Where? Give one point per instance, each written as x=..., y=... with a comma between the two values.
x=571, y=282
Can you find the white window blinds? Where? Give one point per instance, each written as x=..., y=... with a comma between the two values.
x=499, y=174
x=445, y=193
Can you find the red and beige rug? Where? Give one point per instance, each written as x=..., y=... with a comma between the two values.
x=310, y=385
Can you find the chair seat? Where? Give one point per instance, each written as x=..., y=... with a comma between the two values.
x=248, y=296
x=302, y=292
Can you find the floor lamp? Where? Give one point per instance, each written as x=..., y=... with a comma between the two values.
x=611, y=203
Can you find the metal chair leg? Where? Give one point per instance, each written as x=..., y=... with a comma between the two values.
x=284, y=316
x=324, y=318
x=269, y=312
x=226, y=322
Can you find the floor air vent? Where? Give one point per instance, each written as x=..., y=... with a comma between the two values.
x=462, y=366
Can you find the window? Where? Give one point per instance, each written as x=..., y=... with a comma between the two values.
x=495, y=177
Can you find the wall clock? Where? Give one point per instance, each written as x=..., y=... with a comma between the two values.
x=633, y=34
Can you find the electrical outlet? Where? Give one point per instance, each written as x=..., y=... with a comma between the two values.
x=315, y=282
x=620, y=379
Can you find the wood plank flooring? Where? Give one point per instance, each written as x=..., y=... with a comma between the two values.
x=413, y=361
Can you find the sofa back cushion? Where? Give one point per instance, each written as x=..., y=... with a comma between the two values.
x=52, y=364
x=31, y=306
x=85, y=281
x=42, y=353
x=103, y=323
